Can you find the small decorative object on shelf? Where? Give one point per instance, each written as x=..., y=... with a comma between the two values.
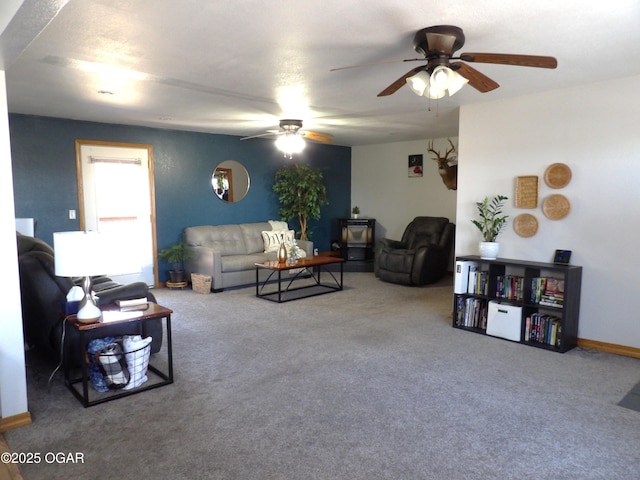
x=562, y=257
x=490, y=224
x=355, y=211
x=528, y=302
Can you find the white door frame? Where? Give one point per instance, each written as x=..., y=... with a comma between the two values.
x=152, y=201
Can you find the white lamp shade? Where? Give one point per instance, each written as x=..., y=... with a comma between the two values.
x=418, y=82
x=434, y=93
x=456, y=82
x=440, y=77
x=79, y=254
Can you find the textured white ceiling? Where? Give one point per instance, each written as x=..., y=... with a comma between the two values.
x=238, y=67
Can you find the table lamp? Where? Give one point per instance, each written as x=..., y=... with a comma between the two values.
x=81, y=254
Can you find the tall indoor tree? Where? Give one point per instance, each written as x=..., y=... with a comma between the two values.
x=301, y=192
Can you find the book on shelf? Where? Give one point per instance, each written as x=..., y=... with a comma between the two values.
x=543, y=328
x=471, y=312
x=510, y=287
x=473, y=278
x=547, y=291
x=551, y=300
x=478, y=282
x=554, y=286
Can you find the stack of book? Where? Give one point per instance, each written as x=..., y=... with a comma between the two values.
x=478, y=282
x=543, y=328
x=471, y=312
x=547, y=291
x=509, y=287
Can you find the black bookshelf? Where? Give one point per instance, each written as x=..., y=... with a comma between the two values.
x=565, y=311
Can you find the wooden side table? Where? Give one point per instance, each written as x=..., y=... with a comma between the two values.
x=113, y=315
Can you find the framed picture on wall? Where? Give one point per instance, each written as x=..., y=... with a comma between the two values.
x=415, y=165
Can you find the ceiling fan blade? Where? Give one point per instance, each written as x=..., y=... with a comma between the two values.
x=511, y=59
x=270, y=133
x=382, y=62
x=477, y=80
x=395, y=86
x=319, y=136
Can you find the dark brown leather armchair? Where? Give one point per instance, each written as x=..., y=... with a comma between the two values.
x=43, y=295
x=421, y=257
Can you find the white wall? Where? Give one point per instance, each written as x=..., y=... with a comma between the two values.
x=594, y=130
x=13, y=388
x=382, y=188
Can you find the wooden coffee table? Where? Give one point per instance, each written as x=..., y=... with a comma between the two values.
x=303, y=283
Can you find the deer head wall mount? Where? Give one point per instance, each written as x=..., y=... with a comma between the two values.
x=447, y=166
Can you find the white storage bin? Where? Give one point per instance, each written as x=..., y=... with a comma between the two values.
x=504, y=321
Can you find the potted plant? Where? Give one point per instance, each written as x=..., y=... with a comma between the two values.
x=301, y=192
x=355, y=211
x=176, y=255
x=490, y=224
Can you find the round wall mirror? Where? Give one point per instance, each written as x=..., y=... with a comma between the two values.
x=230, y=181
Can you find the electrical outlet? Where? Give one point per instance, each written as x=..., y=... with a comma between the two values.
x=72, y=214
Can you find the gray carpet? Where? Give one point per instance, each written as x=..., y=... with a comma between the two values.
x=368, y=383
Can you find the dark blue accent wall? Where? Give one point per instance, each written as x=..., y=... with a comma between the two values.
x=45, y=185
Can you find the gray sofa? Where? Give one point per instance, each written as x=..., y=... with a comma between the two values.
x=228, y=253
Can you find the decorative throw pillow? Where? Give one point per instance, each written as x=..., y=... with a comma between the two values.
x=272, y=239
x=278, y=225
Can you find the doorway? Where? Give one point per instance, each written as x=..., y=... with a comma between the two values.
x=116, y=196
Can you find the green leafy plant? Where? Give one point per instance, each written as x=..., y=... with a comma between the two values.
x=301, y=192
x=176, y=255
x=355, y=210
x=491, y=217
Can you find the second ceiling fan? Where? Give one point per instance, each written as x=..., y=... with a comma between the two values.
x=437, y=45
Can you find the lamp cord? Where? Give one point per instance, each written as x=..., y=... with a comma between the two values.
x=64, y=331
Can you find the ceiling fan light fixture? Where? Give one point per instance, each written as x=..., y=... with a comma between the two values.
x=445, y=79
x=290, y=143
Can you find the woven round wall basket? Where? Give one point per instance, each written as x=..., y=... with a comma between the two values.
x=525, y=225
x=556, y=206
x=557, y=175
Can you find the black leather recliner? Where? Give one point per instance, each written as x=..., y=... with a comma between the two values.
x=43, y=295
x=421, y=257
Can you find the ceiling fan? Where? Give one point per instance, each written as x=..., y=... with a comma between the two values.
x=437, y=45
x=290, y=126
x=289, y=139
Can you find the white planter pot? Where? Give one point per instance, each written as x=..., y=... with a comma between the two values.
x=489, y=250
